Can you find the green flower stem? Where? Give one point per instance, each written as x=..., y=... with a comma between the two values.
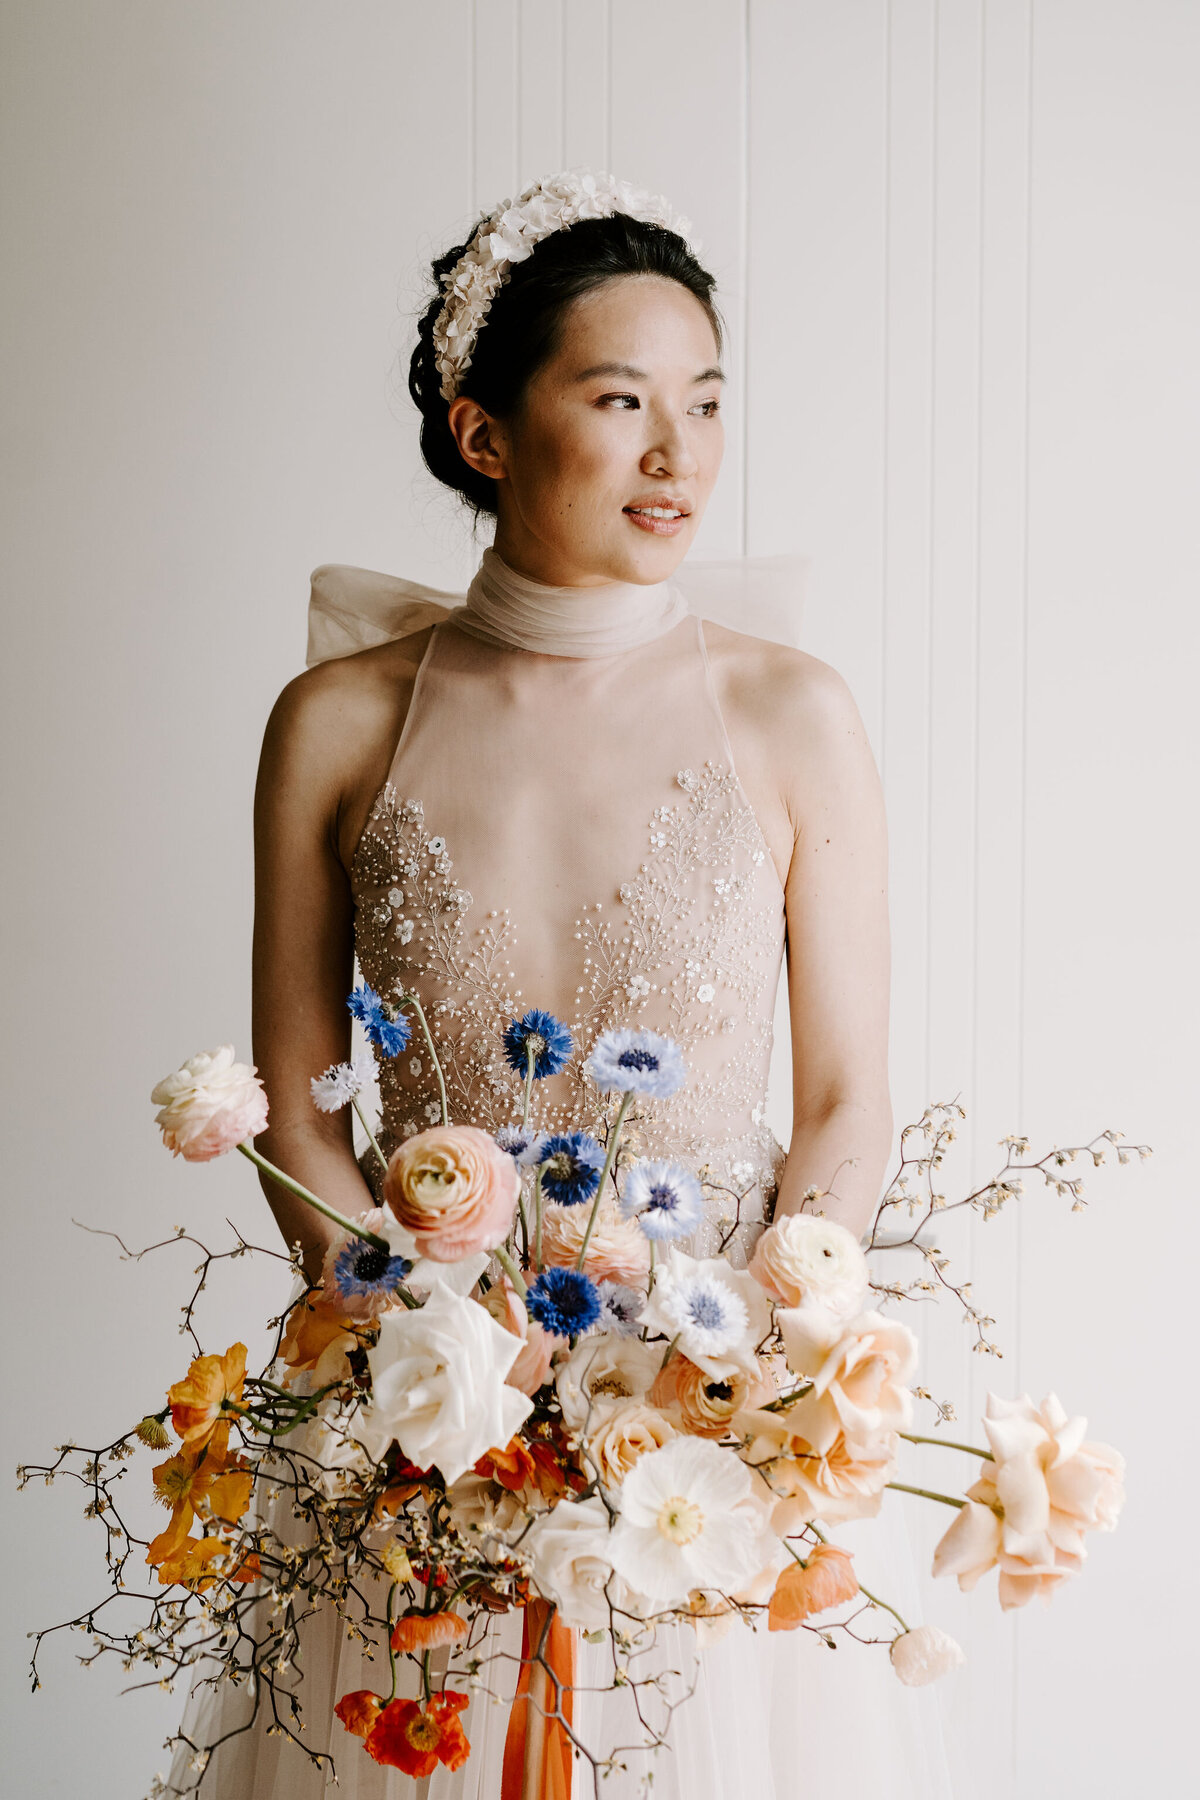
x=302, y=1193
x=427, y=1673
x=650, y=1280
x=510, y=1269
x=530, y=1059
x=391, y=1653
x=411, y=1000
x=902, y=1487
x=362, y=1119
x=538, y=1203
x=524, y=1224
x=614, y=1138
x=914, y=1437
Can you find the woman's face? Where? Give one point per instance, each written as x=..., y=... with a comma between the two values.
x=604, y=471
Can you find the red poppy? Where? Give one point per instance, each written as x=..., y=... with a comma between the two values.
x=416, y=1739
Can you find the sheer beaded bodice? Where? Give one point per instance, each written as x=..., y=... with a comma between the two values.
x=567, y=831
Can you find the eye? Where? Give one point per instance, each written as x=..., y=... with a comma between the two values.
x=630, y=400
x=708, y=409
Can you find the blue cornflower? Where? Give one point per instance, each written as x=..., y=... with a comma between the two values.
x=640, y=1060
x=383, y=1024
x=564, y=1302
x=361, y=1272
x=571, y=1163
x=664, y=1198
x=542, y=1033
x=620, y=1308
x=522, y=1143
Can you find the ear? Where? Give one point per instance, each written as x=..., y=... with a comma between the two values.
x=480, y=438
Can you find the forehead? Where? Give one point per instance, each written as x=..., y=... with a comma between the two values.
x=645, y=320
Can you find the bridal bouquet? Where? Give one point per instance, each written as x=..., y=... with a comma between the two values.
x=511, y=1389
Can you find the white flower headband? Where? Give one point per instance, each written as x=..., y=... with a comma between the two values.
x=509, y=236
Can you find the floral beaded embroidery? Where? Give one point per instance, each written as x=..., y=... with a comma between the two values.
x=693, y=950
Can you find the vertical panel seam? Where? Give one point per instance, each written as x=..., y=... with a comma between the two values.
x=745, y=275
x=930, y=544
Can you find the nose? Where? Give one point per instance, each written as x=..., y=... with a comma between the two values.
x=671, y=452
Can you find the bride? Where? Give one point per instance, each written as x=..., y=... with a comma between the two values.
x=571, y=792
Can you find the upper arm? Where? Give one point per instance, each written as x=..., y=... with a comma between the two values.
x=303, y=955
x=838, y=935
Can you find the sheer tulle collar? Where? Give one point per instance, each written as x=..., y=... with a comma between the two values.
x=503, y=607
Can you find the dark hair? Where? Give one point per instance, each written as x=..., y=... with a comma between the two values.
x=521, y=329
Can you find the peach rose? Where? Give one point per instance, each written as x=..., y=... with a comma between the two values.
x=826, y=1579
x=839, y=1481
x=1027, y=1513
x=803, y=1260
x=923, y=1655
x=454, y=1189
x=621, y=1431
x=618, y=1251
x=860, y=1380
x=532, y=1367
x=210, y=1105
x=705, y=1406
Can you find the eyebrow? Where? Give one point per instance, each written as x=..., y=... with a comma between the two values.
x=632, y=374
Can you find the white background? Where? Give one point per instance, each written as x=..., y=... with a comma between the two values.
x=958, y=251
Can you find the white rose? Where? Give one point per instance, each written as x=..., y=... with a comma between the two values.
x=481, y=1509
x=568, y=1552
x=437, y=1385
x=861, y=1373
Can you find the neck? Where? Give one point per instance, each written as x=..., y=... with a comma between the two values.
x=503, y=607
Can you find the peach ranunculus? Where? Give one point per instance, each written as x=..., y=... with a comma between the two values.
x=838, y=1481
x=532, y=1367
x=705, y=1405
x=1028, y=1512
x=454, y=1189
x=210, y=1105
x=619, y=1432
x=618, y=1251
x=824, y=1580
x=860, y=1370
x=804, y=1260
x=923, y=1654
x=209, y=1392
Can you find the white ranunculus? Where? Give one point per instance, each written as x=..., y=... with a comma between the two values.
x=569, y=1554
x=691, y=1517
x=715, y=1314
x=437, y=1385
x=605, y=1367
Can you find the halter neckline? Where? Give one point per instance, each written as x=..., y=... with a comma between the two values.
x=504, y=607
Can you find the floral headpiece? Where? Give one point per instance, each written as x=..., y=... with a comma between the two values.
x=509, y=236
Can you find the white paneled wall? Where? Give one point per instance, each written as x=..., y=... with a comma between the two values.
x=957, y=245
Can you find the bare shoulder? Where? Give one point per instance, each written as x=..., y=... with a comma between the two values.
x=771, y=687
x=331, y=732
x=797, y=735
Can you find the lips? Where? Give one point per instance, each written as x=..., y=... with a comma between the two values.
x=663, y=515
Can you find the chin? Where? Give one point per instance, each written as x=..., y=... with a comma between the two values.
x=654, y=561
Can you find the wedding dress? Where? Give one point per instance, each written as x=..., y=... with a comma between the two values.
x=562, y=826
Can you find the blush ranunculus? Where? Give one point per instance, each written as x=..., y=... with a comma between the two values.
x=924, y=1654
x=210, y=1105
x=618, y=1251
x=803, y=1260
x=454, y=1189
x=704, y=1405
x=826, y=1579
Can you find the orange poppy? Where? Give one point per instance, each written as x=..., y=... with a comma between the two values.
x=512, y=1467
x=358, y=1711
x=416, y=1739
x=824, y=1581
x=199, y=1484
x=211, y=1387
x=417, y=1632
x=192, y=1565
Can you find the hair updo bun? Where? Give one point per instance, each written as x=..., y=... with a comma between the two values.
x=521, y=330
